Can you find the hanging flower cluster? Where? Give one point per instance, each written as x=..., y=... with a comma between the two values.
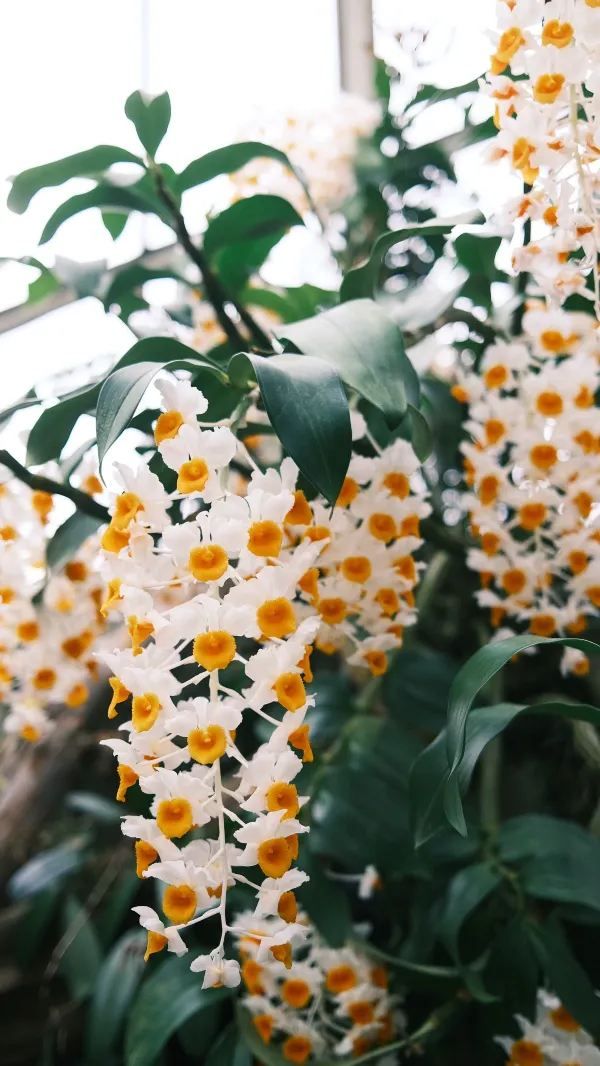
x=49, y=622
x=532, y=464
x=555, y=1038
x=234, y=626
x=363, y=584
x=321, y=143
x=330, y=1000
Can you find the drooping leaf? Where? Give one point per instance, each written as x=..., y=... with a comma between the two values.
x=68, y=538
x=150, y=116
x=81, y=954
x=539, y=835
x=565, y=975
x=47, y=867
x=480, y=668
x=325, y=901
x=166, y=1000
x=117, y=198
x=80, y=165
x=229, y=1050
x=308, y=409
x=361, y=281
x=94, y=806
x=258, y=216
x=230, y=158
x=115, y=987
x=366, y=349
x=420, y=433
x=53, y=428
x=468, y=888
x=290, y=304
x=114, y=222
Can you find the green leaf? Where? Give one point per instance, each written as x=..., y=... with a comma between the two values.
x=258, y=216
x=480, y=668
x=114, y=222
x=46, y=868
x=301, y=301
x=468, y=888
x=566, y=976
x=120, y=198
x=362, y=280
x=150, y=116
x=94, y=806
x=421, y=435
x=81, y=164
x=570, y=875
x=115, y=987
x=53, y=428
x=229, y=1050
x=366, y=349
x=166, y=1000
x=124, y=389
x=476, y=251
x=415, y=689
x=132, y=278
x=81, y=954
x=325, y=900
x=308, y=409
x=229, y=159
x=539, y=835
x=68, y=538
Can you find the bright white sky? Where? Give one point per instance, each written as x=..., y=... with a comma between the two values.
x=221, y=60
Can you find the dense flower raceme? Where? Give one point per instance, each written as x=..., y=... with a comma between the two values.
x=533, y=419
x=320, y=142
x=331, y=1000
x=49, y=622
x=248, y=597
x=554, y=1038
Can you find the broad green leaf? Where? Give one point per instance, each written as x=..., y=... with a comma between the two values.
x=308, y=409
x=468, y=888
x=565, y=975
x=290, y=304
x=229, y=159
x=512, y=971
x=259, y=216
x=46, y=282
x=80, y=165
x=571, y=875
x=117, y=198
x=325, y=901
x=415, y=689
x=362, y=280
x=420, y=433
x=359, y=809
x=367, y=350
x=81, y=954
x=114, y=222
x=132, y=277
x=124, y=389
x=539, y=835
x=115, y=987
x=96, y=807
x=150, y=116
x=46, y=868
x=53, y=428
x=476, y=252
x=166, y=1000
x=229, y=1050
x=480, y=668
x=68, y=538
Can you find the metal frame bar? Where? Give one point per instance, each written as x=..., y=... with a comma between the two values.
x=355, y=36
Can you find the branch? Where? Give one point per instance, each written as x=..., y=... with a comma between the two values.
x=215, y=291
x=39, y=483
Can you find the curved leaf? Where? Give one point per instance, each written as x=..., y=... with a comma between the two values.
x=479, y=669
x=230, y=158
x=566, y=976
x=81, y=164
x=367, y=350
x=115, y=197
x=114, y=990
x=256, y=217
x=150, y=116
x=308, y=409
x=468, y=888
x=46, y=868
x=166, y=1000
x=229, y=1050
x=53, y=428
x=68, y=538
x=124, y=388
x=362, y=280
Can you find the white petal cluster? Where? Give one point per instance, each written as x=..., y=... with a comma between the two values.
x=548, y=131
x=363, y=583
x=49, y=621
x=532, y=462
x=210, y=605
x=554, y=1038
x=324, y=1001
x=321, y=142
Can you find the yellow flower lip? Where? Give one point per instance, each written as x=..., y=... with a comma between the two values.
x=208, y=744
x=214, y=650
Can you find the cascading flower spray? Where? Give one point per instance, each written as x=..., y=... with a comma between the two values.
x=532, y=463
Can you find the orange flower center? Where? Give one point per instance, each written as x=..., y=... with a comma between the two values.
x=208, y=744
x=214, y=650
x=208, y=562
